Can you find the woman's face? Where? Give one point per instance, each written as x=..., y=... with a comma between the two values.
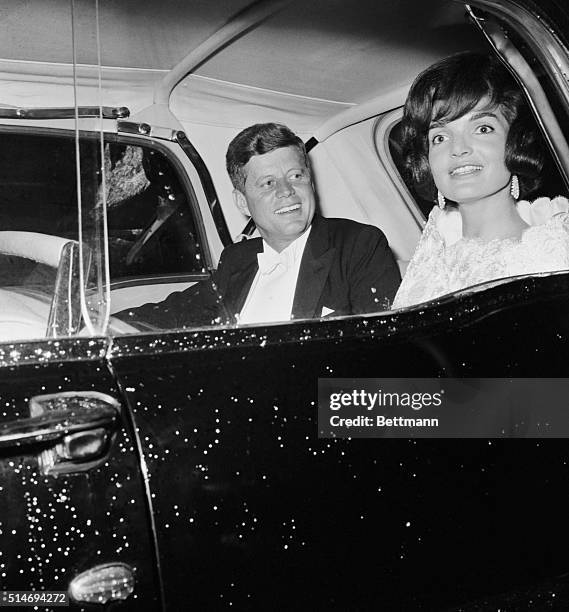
x=467, y=155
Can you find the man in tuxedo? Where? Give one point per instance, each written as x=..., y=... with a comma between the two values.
x=302, y=266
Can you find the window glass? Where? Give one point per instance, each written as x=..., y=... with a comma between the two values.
x=152, y=230
x=151, y=227
x=37, y=205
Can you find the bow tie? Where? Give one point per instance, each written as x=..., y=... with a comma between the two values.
x=268, y=262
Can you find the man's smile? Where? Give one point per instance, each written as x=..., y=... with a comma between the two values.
x=287, y=209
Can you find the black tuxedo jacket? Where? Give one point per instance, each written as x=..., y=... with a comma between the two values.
x=346, y=268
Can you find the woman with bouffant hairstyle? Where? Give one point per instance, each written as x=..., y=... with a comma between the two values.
x=471, y=144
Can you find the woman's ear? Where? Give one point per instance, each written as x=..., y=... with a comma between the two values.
x=241, y=202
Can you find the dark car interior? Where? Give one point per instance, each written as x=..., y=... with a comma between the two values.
x=152, y=230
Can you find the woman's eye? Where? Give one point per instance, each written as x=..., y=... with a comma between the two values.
x=437, y=139
x=295, y=176
x=267, y=184
x=484, y=129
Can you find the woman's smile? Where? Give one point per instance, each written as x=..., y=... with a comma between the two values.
x=465, y=170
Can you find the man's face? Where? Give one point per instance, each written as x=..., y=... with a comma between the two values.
x=279, y=196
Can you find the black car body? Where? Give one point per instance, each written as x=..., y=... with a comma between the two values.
x=182, y=469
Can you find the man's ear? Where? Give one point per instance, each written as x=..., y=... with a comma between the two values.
x=241, y=202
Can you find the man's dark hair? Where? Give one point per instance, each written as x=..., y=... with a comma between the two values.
x=451, y=88
x=258, y=139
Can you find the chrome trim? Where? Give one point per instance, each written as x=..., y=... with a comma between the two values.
x=542, y=39
x=58, y=415
x=145, y=129
x=548, y=49
x=163, y=279
x=85, y=422
x=103, y=584
x=46, y=351
x=107, y=112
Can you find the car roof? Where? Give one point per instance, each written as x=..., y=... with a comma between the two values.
x=310, y=61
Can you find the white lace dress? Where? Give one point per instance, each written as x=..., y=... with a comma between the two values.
x=444, y=261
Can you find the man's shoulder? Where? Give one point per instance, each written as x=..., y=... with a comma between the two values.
x=347, y=228
x=242, y=249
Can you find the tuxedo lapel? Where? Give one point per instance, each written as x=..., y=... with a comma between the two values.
x=241, y=275
x=314, y=269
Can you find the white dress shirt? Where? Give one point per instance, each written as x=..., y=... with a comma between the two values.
x=272, y=291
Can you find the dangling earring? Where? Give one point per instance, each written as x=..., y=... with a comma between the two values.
x=441, y=200
x=515, y=187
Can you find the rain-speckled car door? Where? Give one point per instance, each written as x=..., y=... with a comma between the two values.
x=73, y=513
x=254, y=511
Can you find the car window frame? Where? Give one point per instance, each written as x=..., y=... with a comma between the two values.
x=13, y=127
x=547, y=48
x=381, y=132
x=189, y=192
x=30, y=128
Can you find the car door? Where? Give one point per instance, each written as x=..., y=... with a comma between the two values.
x=74, y=516
x=252, y=509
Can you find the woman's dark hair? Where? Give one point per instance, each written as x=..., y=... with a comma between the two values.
x=258, y=139
x=451, y=88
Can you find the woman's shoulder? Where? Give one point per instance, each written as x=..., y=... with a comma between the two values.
x=544, y=211
x=551, y=231
x=544, y=247
x=558, y=225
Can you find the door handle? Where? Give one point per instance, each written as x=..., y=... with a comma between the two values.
x=78, y=426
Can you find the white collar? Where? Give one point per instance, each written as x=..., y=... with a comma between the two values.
x=269, y=258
